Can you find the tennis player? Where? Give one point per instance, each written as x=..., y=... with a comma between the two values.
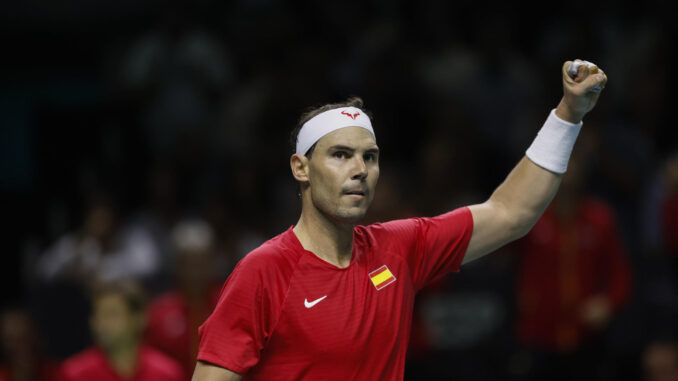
x=332, y=300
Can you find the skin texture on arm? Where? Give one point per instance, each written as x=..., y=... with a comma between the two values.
x=516, y=205
x=512, y=210
x=208, y=372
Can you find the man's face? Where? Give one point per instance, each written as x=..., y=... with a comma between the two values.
x=193, y=270
x=113, y=323
x=343, y=173
x=661, y=362
x=17, y=333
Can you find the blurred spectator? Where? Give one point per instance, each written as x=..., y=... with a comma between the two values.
x=573, y=277
x=100, y=250
x=117, y=322
x=22, y=356
x=181, y=73
x=156, y=219
x=175, y=316
x=196, y=99
x=669, y=218
x=660, y=361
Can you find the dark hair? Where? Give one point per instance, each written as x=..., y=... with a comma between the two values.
x=356, y=102
x=129, y=290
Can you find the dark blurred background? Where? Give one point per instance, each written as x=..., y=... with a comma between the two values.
x=135, y=134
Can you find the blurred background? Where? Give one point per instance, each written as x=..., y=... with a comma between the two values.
x=150, y=140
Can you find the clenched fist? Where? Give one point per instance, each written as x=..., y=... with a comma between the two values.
x=580, y=91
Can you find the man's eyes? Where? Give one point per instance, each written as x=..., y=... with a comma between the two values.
x=346, y=155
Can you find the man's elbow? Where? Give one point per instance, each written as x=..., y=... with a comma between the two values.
x=519, y=224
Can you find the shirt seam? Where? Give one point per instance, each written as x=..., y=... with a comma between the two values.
x=282, y=304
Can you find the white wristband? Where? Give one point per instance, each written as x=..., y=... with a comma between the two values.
x=552, y=147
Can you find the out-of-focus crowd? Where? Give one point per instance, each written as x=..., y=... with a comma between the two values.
x=145, y=151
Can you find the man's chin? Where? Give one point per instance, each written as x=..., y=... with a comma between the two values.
x=351, y=216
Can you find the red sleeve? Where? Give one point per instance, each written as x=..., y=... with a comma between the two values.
x=234, y=334
x=432, y=246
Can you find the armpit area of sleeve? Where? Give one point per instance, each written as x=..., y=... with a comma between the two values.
x=221, y=362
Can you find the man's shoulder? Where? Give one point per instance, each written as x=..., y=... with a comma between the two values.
x=161, y=365
x=380, y=231
x=85, y=363
x=407, y=230
x=277, y=254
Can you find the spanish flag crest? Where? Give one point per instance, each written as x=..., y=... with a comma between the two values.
x=382, y=277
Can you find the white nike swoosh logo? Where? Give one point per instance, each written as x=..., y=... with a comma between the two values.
x=313, y=303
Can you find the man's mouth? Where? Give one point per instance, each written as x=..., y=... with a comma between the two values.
x=355, y=193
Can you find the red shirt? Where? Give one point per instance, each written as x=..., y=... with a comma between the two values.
x=173, y=325
x=563, y=264
x=670, y=225
x=285, y=314
x=47, y=370
x=92, y=364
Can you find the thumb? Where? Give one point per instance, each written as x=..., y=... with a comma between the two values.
x=591, y=81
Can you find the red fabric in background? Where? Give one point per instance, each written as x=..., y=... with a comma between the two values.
x=563, y=263
x=92, y=365
x=173, y=326
x=48, y=371
x=670, y=225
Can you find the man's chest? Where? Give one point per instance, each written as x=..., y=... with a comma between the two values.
x=328, y=311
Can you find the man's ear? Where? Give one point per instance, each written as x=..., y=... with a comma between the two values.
x=299, y=166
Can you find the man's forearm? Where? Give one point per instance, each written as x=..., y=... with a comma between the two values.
x=566, y=114
x=525, y=194
x=516, y=205
x=529, y=188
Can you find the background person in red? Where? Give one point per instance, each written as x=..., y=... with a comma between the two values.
x=117, y=322
x=174, y=317
x=660, y=360
x=22, y=355
x=328, y=299
x=669, y=218
x=574, y=276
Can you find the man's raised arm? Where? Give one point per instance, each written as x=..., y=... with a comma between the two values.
x=516, y=205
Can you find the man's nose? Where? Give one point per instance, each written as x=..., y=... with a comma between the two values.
x=360, y=170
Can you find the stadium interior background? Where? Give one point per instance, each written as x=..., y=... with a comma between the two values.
x=126, y=119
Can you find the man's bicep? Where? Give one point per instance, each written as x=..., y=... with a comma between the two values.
x=492, y=228
x=207, y=372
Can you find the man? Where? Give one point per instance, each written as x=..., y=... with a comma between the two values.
x=101, y=250
x=174, y=317
x=117, y=323
x=574, y=278
x=660, y=360
x=22, y=356
x=329, y=299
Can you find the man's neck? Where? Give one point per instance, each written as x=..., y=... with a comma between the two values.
x=124, y=360
x=327, y=239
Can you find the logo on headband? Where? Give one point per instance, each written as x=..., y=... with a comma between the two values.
x=352, y=116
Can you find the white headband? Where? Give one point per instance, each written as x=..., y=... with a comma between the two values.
x=328, y=121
